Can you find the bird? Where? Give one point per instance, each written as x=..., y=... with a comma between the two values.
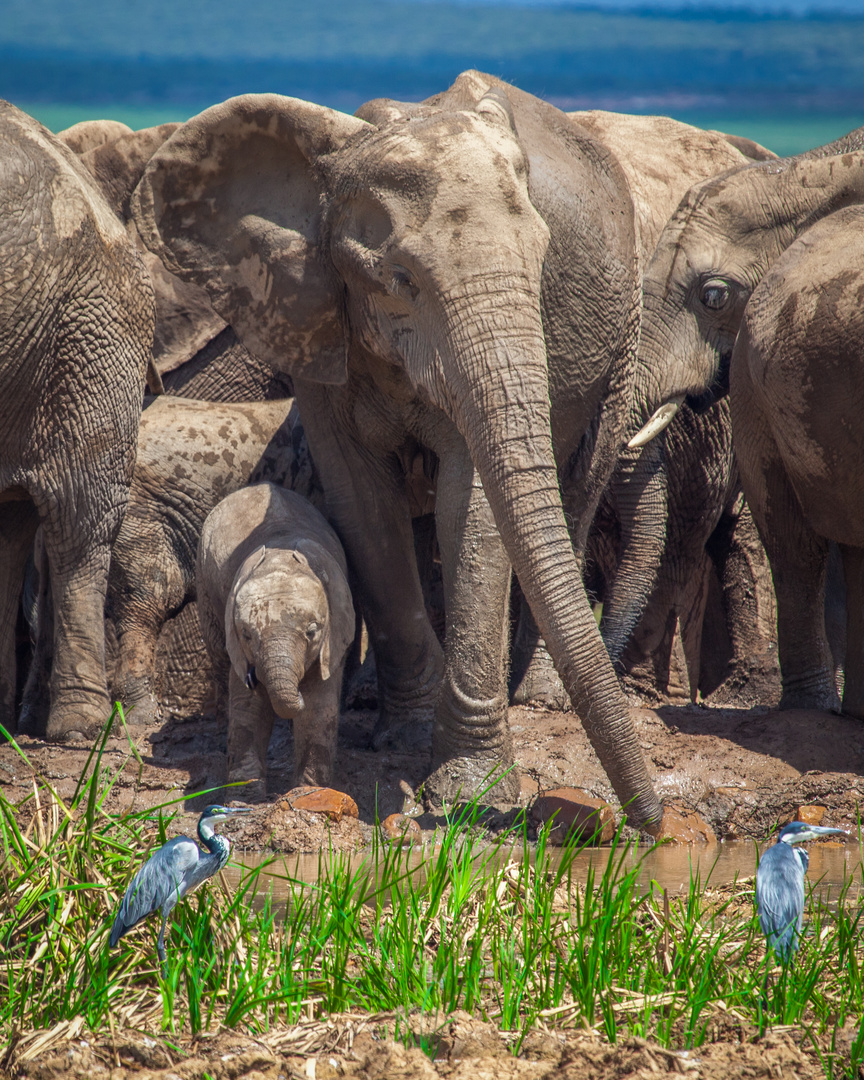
x=780, y=886
x=173, y=872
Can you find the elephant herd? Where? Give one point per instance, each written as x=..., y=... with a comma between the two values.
x=576, y=337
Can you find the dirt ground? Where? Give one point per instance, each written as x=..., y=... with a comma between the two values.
x=459, y=1048
x=742, y=769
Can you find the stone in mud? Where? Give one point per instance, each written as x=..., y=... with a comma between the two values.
x=683, y=826
x=576, y=814
x=810, y=815
x=401, y=829
x=318, y=800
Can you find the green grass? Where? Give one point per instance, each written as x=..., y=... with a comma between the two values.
x=512, y=941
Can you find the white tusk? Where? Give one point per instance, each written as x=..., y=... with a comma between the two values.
x=661, y=419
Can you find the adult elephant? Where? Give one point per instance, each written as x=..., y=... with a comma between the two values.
x=434, y=275
x=76, y=332
x=682, y=494
x=797, y=391
x=722, y=240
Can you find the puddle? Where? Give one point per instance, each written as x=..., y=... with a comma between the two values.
x=670, y=866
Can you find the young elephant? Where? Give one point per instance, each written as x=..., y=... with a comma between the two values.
x=273, y=594
x=191, y=454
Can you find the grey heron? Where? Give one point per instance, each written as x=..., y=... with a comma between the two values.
x=780, y=886
x=171, y=873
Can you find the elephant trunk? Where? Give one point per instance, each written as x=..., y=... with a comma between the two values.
x=500, y=402
x=638, y=491
x=281, y=674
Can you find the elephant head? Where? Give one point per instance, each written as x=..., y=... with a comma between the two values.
x=711, y=256
x=278, y=624
x=414, y=246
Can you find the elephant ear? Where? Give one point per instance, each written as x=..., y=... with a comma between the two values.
x=341, y=622
x=232, y=642
x=118, y=166
x=234, y=201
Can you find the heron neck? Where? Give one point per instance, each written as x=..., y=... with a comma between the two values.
x=217, y=845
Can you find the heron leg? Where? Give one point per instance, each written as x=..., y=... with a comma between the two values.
x=160, y=941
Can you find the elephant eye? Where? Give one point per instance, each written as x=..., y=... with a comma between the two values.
x=403, y=283
x=312, y=630
x=715, y=295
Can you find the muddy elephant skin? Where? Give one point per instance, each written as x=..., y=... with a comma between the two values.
x=797, y=391
x=195, y=355
x=277, y=618
x=191, y=454
x=659, y=509
x=459, y=275
x=76, y=331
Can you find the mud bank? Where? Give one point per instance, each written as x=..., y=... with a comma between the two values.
x=742, y=769
x=459, y=1048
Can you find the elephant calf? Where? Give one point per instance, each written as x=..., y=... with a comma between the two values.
x=191, y=454
x=273, y=595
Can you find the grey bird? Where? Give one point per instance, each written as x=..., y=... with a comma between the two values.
x=780, y=886
x=173, y=872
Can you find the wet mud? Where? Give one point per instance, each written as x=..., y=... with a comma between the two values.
x=742, y=769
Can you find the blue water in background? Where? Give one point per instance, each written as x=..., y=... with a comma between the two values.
x=788, y=73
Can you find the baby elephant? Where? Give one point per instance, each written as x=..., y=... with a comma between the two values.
x=273, y=593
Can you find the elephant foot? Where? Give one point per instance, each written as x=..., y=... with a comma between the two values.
x=541, y=685
x=405, y=719
x=488, y=779
x=77, y=721
x=412, y=735
x=141, y=710
x=821, y=695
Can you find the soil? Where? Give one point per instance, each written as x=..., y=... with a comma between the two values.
x=742, y=769
x=459, y=1048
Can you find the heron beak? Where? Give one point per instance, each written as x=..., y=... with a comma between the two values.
x=237, y=809
x=813, y=832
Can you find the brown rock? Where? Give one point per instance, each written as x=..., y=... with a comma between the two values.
x=321, y=800
x=576, y=814
x=683, y=826
x=810, y=815
x=401, y=829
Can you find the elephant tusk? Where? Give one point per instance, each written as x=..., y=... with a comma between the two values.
x=251, y=679
x=661, y=419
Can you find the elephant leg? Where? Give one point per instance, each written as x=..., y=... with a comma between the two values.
x=798, y=556
x=135, y=667
x=362, y=486
x=853, y=684
x=250, y=725
x=18, y=524
x=533, y=678
x=80, y=705
x=36, y=699
x=315, y=730
x=472, y=735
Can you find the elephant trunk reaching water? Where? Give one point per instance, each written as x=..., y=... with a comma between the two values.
x=502, y=374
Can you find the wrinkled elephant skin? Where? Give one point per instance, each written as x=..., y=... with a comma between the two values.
x=459, y=275
x=277, y=619
x=76, y=333
x=797, y=391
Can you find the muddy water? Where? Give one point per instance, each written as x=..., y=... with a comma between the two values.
x=672, y=867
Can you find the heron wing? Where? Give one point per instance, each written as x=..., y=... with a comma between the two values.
x=780, y=898
x=160, y=883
